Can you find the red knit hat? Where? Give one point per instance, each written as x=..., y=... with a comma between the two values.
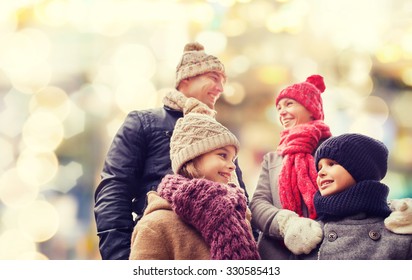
x=308, y=94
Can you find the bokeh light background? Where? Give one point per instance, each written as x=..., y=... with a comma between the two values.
x=70, y=71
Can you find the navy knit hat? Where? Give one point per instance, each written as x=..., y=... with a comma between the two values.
x=363, y=157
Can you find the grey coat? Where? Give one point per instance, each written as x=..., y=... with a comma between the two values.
x=264, y=205
x=361, y=237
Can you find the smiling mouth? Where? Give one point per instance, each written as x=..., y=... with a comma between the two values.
x=225, y=175
x=325, y=184
x=286, y=121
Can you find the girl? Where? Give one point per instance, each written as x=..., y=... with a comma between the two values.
x=197, y=213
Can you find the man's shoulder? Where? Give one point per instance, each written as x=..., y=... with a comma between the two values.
x=158, y=112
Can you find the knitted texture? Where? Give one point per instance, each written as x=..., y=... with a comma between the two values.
x=196, y=62
x=197, y=133
x=175, y=99
x=217, y=211
x=308, y=94
x=363, y=157
x=297, y=178
x=368, y=197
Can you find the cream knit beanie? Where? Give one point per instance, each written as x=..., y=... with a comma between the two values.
x=197, y=133
x=196, y=62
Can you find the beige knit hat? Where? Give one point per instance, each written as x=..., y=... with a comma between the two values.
x=196, y=62
x=197, y=133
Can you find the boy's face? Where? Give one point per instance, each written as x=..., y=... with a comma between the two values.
x=217, y=165
x=333, y=177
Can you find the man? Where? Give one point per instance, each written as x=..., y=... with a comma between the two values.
x=139, y=156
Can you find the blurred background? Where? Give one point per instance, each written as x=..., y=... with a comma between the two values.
x=70, y=71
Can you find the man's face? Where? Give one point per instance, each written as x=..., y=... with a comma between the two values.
x=206, y=88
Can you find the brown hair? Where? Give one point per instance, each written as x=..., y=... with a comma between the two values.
x=189, y=170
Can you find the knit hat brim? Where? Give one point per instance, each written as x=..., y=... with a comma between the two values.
x=201, y=147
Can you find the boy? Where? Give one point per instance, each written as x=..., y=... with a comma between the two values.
x=352, y=202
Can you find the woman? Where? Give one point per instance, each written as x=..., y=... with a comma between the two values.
x=282, y=204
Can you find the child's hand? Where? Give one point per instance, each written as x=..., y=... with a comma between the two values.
x=301, y=235
x=400, y=220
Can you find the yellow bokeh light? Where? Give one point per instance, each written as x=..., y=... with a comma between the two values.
x=14, y=191
x=389, y=53
x=234, y=93
x=39, y=220
x=37, y=168
x=51, y=100
x=15, y=244
x=272, y=75
x=42, y=132
x=402, y=151
x=407, y=76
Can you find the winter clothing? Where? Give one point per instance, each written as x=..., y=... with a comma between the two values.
x=162, y=235
x=300, y=235
x=195, y=62
x=217, y=211
x=353, y=219
x=197, y=133
x=354, y=229
x=363, y=157
x=265, y=205
x=400, y=221
x=136, y=162
x=308, y=94
x=287, y=180
x=297, y=179
x=366, y=196
x=360, y=237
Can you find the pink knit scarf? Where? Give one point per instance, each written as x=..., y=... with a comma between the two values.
x=297, y=178
x=217, y=211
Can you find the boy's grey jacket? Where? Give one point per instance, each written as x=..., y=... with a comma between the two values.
x=137, y=160
x=360, y=237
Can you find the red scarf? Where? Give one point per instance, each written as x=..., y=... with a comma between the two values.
x=297, y=179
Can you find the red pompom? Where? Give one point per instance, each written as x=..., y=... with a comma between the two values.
x=317, y=81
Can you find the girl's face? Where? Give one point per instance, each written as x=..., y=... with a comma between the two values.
x=292, y=113
x=217, y=165
x=333, y=177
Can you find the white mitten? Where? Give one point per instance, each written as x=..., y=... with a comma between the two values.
x=301, y=235
x=400, y=220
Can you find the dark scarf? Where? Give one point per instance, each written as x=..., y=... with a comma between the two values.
x=297, y=178
x=217, y=211
x=368, y=197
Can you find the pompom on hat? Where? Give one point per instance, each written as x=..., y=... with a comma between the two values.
x=363, y=157
x=307, y=93
x=195, y=62
x=197, y=133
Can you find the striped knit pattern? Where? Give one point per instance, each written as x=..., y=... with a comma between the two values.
x=363, y=157
x=368, y=196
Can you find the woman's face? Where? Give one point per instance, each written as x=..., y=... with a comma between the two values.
x=292, y=113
